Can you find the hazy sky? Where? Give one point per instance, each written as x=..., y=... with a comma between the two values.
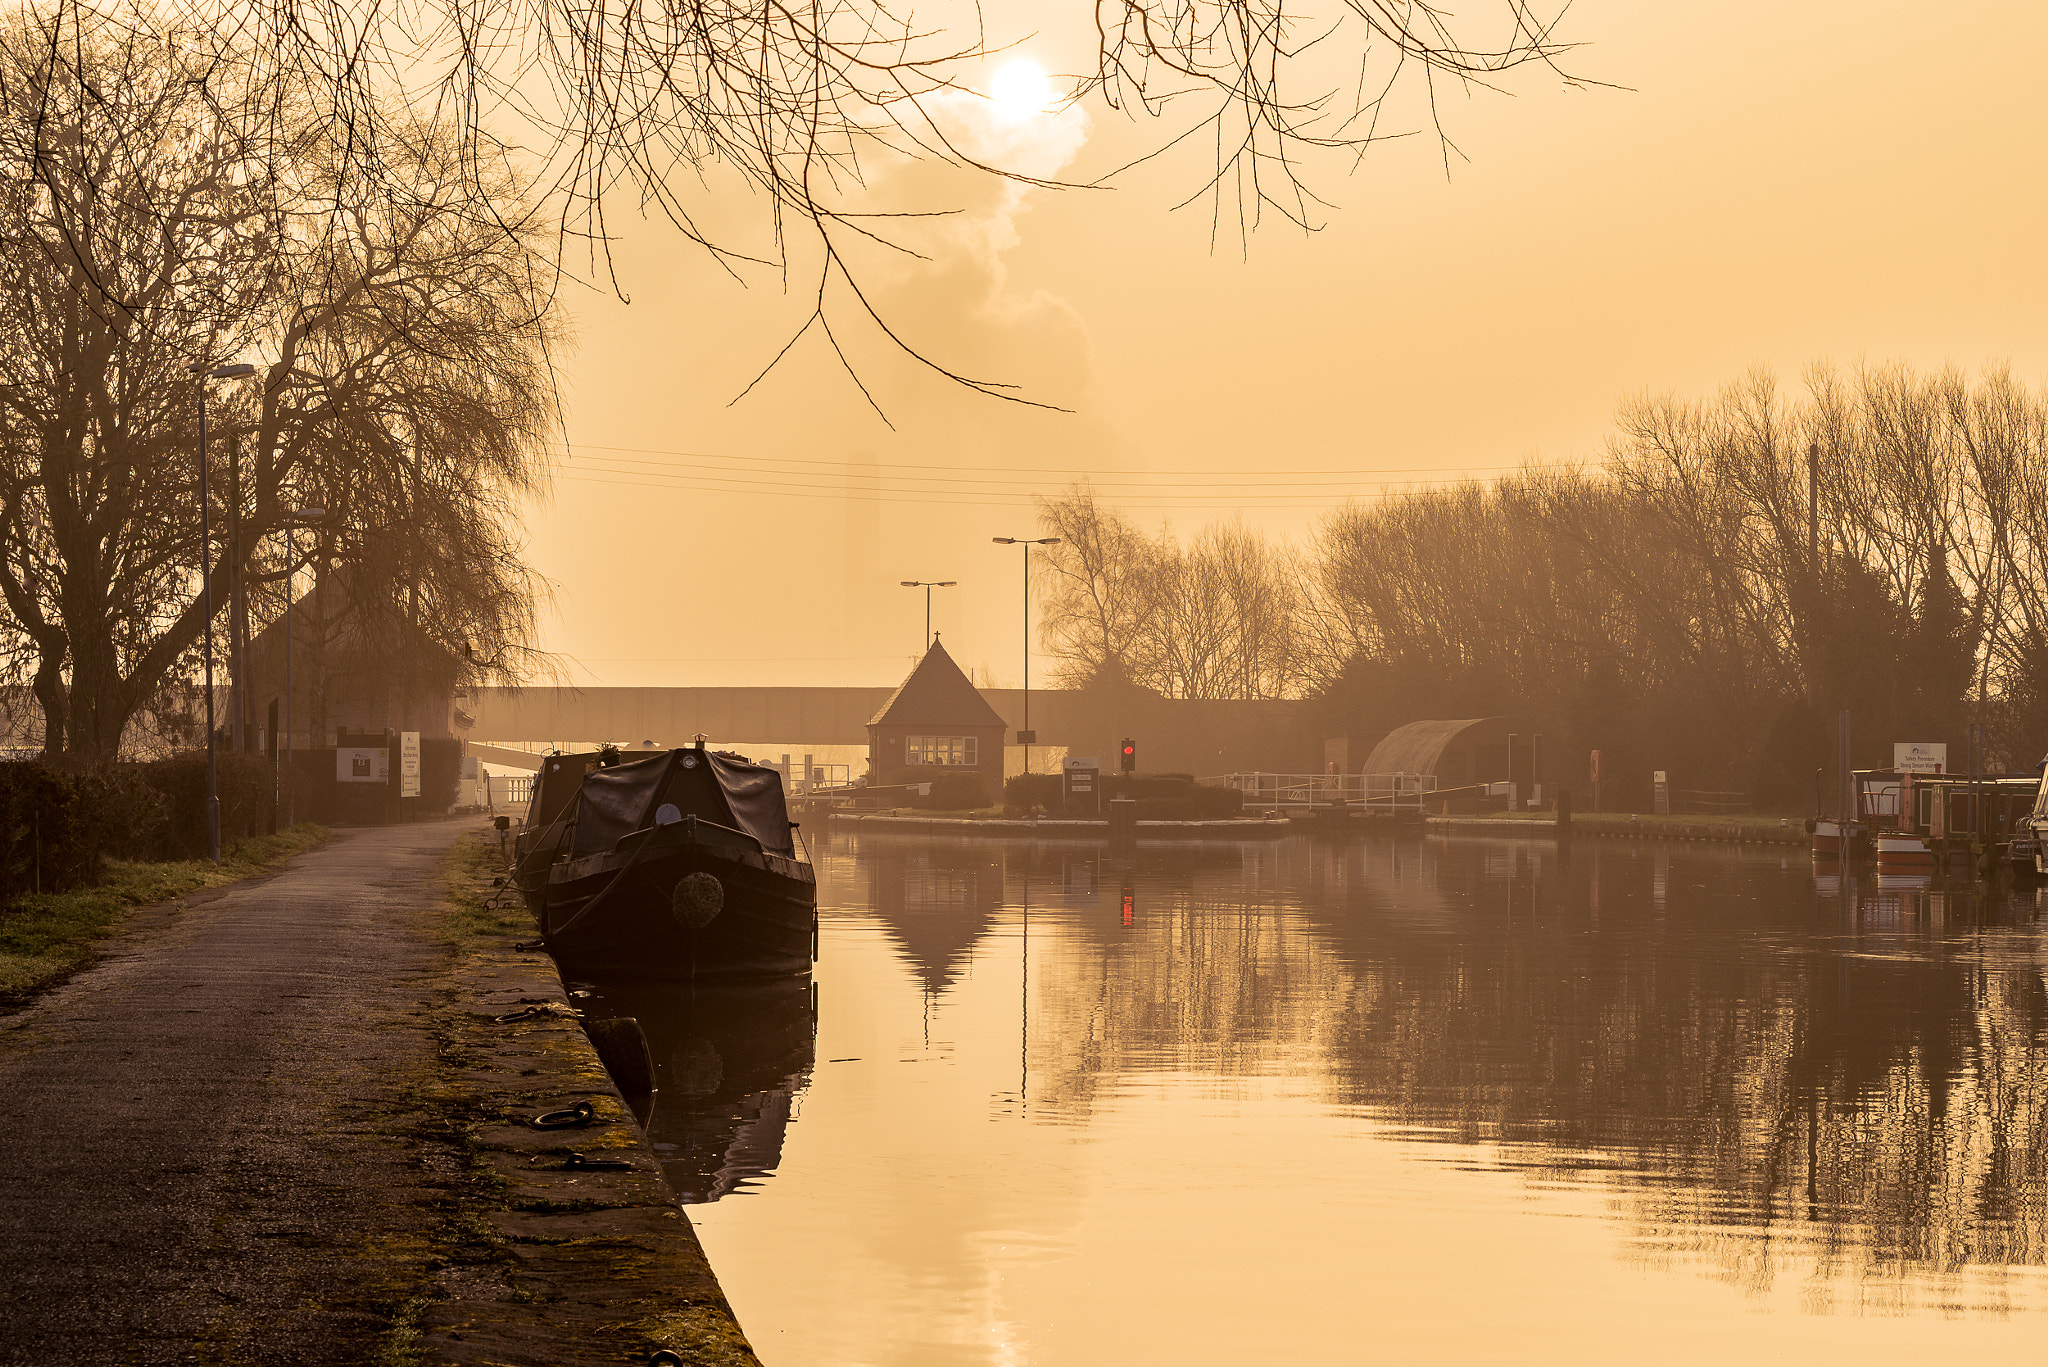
x=1780, y=183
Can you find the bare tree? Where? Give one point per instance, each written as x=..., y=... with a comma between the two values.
x=657, y=109
x=1094, y=587
x=156, y=213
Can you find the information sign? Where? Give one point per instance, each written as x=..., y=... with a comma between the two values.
x=408, y=764
x=1920, y=757
x=1083, y=778
x=362, y=764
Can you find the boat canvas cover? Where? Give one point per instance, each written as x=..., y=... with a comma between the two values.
x=617, y=801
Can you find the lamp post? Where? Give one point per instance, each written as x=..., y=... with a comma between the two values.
x=928, y=586
x=1026, y=735
x=222, y=372
x=292, y=525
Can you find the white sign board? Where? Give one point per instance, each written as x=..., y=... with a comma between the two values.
x=1920, y=757
x=362, y=764
x=408, y=764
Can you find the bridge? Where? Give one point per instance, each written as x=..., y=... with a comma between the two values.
x=1174, y=735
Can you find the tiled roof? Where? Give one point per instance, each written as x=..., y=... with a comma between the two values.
x=936, y=694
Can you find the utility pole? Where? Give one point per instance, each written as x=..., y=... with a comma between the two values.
x=1026, y=737
x=238, y=628
x=201, y=371
x=927, y=585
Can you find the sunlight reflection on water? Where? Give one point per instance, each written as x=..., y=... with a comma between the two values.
x=1409, y=1096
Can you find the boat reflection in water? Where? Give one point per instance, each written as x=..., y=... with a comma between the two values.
x=730, y=1060
x=1494, y=1099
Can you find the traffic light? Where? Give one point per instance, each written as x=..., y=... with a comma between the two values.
x=1130, y=756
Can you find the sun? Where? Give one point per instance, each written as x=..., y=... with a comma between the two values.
x=1020, y=90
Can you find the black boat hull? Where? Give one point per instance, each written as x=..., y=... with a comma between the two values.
x=613, y=914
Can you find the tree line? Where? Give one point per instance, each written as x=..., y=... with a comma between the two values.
x=1704, y=598
x=171, y=203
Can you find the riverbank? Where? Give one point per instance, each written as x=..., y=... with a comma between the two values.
x=47, y=937
x=1747, y=829
x=1059, y=827
x=546, y=1262
x=326, y=1153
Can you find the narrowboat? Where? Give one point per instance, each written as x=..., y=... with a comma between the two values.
x=683, y=865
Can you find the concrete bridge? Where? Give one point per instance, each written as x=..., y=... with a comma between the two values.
x=1198, y=735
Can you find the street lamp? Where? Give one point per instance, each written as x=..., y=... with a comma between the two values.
x=292, y=525
x=200, y=370
x=1026, y=736
x=928, y=586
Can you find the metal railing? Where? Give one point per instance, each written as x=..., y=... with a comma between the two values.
x=823, y=779
x=1365, y=792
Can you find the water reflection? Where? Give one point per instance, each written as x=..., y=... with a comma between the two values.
x=730, y=1060
x=1743, y=1044
x=936, y=902
x=1055, y=1078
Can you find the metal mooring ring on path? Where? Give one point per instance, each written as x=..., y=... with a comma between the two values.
x=524, y=1013
x=666, y=1357
x=576, y=1162
x=579, y=1114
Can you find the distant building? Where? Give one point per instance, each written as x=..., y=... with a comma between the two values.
x=344, y=680
x=1458, y=753
x=935, y=724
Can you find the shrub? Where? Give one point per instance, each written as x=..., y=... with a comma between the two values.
x=48, y=838
x=1023, y=792
x=958, y=792
x=246, y=789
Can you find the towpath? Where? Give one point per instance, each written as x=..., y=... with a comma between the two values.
x=214, y=1146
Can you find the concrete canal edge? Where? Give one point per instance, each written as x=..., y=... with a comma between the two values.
x=544, y=1261
x=1061, y=827
x=1537, y=828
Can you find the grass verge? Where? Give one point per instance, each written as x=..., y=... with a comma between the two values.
x=472, y=904
x=47, y=936
x=1752, y=819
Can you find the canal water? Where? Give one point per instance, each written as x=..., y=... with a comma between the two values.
x=1395, y=1099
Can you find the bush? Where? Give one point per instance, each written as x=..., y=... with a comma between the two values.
x=129, y=812
x=49, y=841
x=1025, y=792
x=958, y=792
x=245, y=787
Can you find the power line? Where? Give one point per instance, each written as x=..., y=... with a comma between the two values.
x=877, y=468
x=814, y=479
x=964, y=498
x=1012, y=502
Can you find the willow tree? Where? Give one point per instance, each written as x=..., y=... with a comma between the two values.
x=169, y=203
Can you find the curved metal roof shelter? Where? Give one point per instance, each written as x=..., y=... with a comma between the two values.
x=1418, y=747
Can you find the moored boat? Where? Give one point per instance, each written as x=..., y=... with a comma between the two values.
x=544, y=835
x=1921, y=823
x=1900, y=850
x=1831, y=840
x=682, y=865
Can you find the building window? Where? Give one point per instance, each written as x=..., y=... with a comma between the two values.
x=951, y=750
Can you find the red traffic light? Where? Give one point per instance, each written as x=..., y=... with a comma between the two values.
x=1130, y=755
